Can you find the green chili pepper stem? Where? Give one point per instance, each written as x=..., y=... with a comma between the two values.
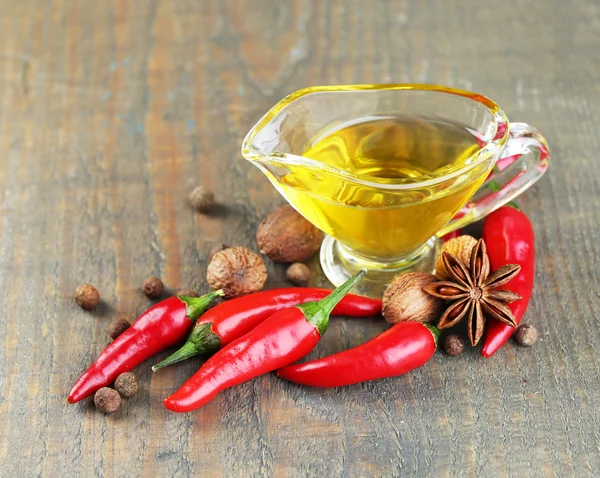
x=201, y=340
x=434, y=331
x=317, y=313
x=196, y=306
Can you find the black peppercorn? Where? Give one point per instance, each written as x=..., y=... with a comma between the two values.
x=298, y=274
x=117, y=327
x=453, y=345
x=202, y=199
x=107, y=400
x=87, y=296
x=153, y=287
x=127, y=384
x=526, y=335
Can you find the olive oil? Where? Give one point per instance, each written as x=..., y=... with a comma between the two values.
x=387, y=184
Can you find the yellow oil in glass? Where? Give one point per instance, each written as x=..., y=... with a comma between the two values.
x=375, y=221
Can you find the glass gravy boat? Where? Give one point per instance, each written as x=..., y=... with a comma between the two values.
x=385, y=224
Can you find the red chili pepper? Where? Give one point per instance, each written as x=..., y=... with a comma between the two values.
x=160, y=327
x=404, y=347
x=287, y=336
x=234, y=318
x=509, y=237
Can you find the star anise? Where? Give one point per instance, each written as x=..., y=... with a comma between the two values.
x=473, y=292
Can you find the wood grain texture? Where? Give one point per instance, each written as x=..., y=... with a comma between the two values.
x=111, y=110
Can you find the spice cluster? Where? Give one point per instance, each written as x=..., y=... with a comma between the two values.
x=484, y=283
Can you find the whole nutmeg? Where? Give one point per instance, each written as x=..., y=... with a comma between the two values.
x=405, y=299
x=188, y=293
x=202, y=199
x=460, y=247
x=127, y=384
x=87, y=296
x=107, y=400
x=285, y=236
x=117, y=327
x=526, y=335
x=237, y=271
x=216, y=248
x=298, y=274
x=453, y=345
x=153, y=287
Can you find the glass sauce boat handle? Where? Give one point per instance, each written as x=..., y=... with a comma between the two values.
x=523, y=161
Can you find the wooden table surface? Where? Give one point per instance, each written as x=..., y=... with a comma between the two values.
x=111, y=110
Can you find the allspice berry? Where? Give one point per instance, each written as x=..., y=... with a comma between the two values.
x=127, y=384
x=188, y=293
x=87, y=296
x=526, y=335
x=405, y=299
x=153, y=287
x=460, y=247
x=117, y=327
x=237, y=271
x=202, y=199
x=298, y=274
x=285, y=236
x=216, y=248
x=453, y=345
x=107, y=400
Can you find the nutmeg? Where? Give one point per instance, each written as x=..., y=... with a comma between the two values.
x=460, y=247
x=285, y=236
x=405, y=299
x=216, y=248
x=237, y=271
